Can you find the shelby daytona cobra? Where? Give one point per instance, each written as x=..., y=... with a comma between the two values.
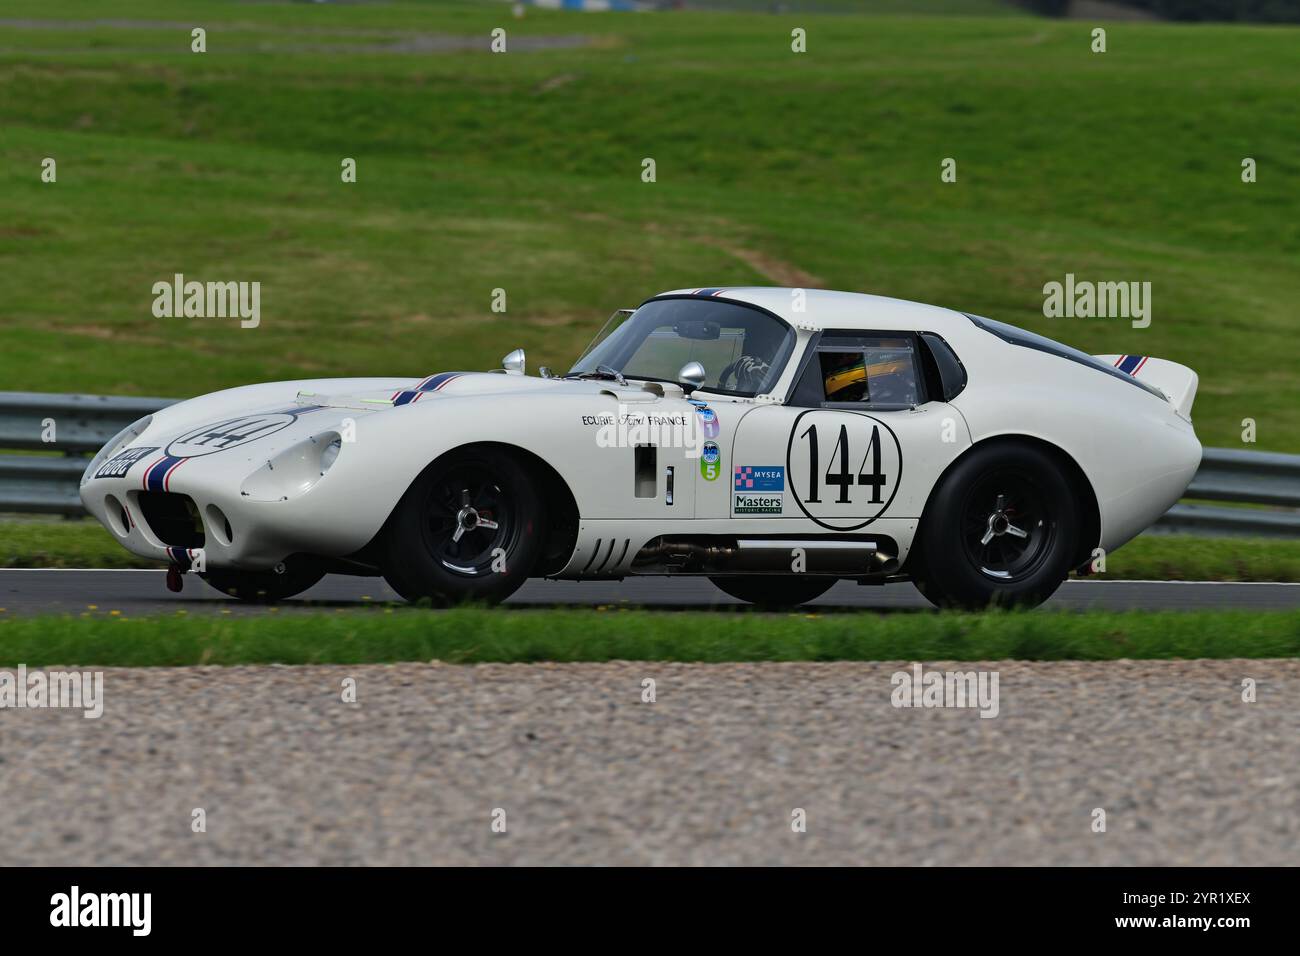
x=773, y=440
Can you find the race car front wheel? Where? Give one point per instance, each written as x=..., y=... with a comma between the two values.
x=775, y=591
x=1000, y=530
x=468, y=529
x=265, y=587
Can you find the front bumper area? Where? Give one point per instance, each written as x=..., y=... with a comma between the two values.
x=205, y=515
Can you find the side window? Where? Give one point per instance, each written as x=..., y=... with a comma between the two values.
x=876, y=370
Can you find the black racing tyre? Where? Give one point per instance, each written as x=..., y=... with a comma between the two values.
x=470, y=528
x=775, y=591
x=1001, y=530
x=265, y=587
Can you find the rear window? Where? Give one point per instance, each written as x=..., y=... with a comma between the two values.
x=1041, y=343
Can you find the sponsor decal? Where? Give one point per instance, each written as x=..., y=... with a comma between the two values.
x=122, y=462
x=631, y=419
x=759, y=478
x=710, y=463
x=758, y=489
x=227, y=434
x=708, y=419
x=629, y=428
x=748, y=503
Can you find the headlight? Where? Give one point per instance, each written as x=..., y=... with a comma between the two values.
x=330, y=455
x=115, y=444
x=294, y=470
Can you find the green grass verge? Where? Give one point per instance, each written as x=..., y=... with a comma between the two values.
x=522, y=171
x=56, y=543
x=479, y=636
x=84, y=544
x=1166, y=557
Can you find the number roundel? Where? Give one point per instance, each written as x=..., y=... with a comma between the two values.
x=844, y=467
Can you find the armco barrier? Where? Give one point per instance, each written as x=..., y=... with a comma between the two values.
x=46, y=483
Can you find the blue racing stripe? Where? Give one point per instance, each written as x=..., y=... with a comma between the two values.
x=155, y=478
x=430, y=384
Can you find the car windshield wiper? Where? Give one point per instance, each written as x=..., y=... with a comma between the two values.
x=604, y=373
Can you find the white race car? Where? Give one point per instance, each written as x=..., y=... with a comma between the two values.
x=772, y=440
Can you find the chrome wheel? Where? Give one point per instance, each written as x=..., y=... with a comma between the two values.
x=469, y=521
x=1007, y=529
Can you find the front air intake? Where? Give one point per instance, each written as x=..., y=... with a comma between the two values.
x=173, y=519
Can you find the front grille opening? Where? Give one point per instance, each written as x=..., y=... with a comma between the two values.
x=219, y=525
x=174, y=519
x=118, y=519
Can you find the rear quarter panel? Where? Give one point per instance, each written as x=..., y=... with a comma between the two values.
x=1136, y=452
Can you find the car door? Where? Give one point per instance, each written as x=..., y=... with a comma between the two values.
x=859, y=439
x=646, y=455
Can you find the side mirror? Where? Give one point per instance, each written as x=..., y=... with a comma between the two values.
x=691, y=377
x=514, y=362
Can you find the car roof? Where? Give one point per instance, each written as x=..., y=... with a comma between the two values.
x=827, y=309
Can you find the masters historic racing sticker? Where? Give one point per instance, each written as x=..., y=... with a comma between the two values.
x=758, y=490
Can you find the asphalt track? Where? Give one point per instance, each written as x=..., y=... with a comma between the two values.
x=143, y=592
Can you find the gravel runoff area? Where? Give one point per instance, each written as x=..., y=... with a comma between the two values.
x=709, y=773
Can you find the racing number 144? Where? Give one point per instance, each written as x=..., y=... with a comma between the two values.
x=874, y=479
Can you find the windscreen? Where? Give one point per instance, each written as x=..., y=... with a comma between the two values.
x=742, y=349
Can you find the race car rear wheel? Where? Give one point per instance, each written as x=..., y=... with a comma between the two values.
x=470, y=528
x=1000, y=530
x=265, y=587
x=775, y=591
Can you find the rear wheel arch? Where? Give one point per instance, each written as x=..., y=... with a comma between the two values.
x=1089, y=510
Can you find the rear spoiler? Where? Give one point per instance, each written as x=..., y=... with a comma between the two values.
x=1176, y=382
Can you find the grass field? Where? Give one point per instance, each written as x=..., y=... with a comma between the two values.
x=522, y=171
x=469, y=636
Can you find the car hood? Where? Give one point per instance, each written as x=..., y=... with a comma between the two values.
x=247, y=425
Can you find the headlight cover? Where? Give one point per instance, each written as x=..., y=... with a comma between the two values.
x=294, y=470
x=330, y=455
x=115, y=444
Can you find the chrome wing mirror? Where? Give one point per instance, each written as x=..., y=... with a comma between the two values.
x=514, y=362
x=691, y=377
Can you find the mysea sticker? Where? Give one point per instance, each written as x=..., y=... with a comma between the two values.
x=710, y=463
x=759, y=478
x=758, y=490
